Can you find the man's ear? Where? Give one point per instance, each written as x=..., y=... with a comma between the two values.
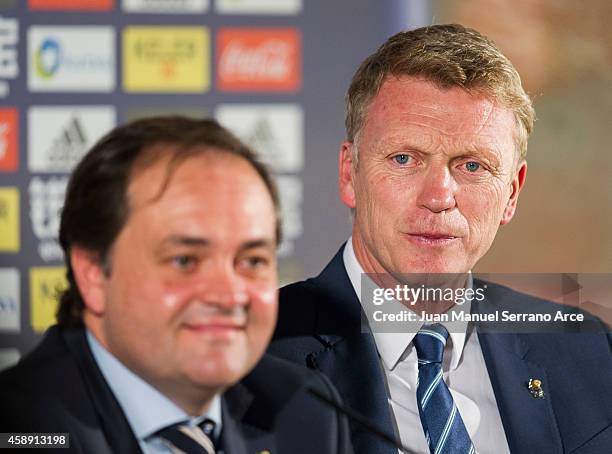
x=345, y=174
x=90, y=278
x=517, y=184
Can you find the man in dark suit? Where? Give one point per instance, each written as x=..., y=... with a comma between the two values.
x=434, y=160
x=169, y=229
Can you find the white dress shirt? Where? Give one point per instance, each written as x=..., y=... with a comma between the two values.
x=145, y=408
x=464, y=372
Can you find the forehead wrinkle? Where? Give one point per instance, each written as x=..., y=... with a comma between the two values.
x=482, y=109
x=438, y=122
x=487, y=117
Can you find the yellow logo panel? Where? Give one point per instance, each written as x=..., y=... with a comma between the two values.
x=9, y=220
x=46, y=284
x=166, y=59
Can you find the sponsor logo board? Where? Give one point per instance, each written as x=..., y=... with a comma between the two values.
x=71, y=59
x=166, y=59
x=275, y=131
x=9, y=300
x=165, y=6
x=9, y=219
x=258, y=6
x=46, y=284
x=291, y=192
x=92, y=5
x=259, y=59
x=46, y=202
x=59, y=136
x=9, y=136
x=9, y=65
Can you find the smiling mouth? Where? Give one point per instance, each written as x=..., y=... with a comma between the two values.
x=215, y=327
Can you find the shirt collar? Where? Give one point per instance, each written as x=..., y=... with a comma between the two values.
x=146, y=409
x=391, y=346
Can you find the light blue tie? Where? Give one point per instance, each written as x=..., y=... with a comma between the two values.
x=442, y=423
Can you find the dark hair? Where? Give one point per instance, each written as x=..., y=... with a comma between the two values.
x=447, y=56
x=96, y=205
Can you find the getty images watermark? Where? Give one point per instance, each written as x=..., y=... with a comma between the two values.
x=493, y=303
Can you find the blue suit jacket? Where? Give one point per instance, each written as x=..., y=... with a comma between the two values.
x=59, y=388
x=319, y=326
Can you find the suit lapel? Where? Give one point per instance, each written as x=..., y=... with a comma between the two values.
x=240, y=435
x=113, y=421
x=353, y=366
x=529, y=422
x=350, y=358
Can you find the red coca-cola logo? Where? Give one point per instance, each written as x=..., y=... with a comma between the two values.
x=258, y=59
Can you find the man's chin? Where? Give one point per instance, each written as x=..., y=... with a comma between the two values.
x=218, y=375
x=435, y=269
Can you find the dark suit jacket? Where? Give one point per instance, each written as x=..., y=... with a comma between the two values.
x=319, y=326
x=59, y=388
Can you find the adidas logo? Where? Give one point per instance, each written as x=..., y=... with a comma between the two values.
x=69, y=147
x=262, y=139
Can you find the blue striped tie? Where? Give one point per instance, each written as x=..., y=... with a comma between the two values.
x=442, y=423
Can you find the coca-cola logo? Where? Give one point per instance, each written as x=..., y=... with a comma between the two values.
x=259, y=59
x=269, y=60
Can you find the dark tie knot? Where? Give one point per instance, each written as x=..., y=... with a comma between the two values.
x=429, y=343
x=208, y=427
x=190, y=439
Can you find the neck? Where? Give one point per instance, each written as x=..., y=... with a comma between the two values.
x=193, y=400
x=368, y=263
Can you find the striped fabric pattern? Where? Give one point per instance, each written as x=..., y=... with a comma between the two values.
x=444, y=429
x=184, y=439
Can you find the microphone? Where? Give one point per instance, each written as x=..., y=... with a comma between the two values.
x=359, y=419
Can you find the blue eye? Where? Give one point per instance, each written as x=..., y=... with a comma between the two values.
x=472, y=166
x=401, y=158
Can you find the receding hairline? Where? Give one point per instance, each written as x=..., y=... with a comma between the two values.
x=446, y=55
x=176, y=156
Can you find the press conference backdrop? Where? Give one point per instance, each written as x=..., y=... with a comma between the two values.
x=275, y=72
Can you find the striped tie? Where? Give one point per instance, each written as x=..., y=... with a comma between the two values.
x=442, y=423
x=186, y=439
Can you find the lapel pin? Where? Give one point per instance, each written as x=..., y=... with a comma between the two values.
x=535, y=388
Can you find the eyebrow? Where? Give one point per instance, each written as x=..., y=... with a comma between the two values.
x=183, y=240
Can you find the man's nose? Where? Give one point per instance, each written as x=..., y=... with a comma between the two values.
x=223, y=286
x=437, y=192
